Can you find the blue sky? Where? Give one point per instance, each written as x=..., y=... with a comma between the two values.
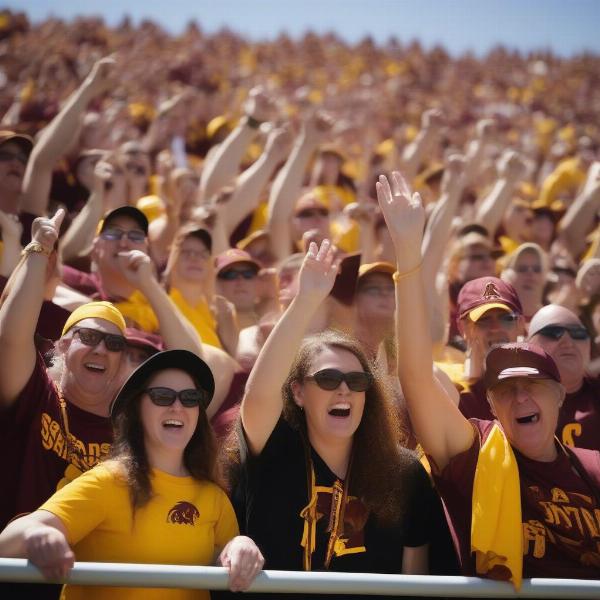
x=565, y=26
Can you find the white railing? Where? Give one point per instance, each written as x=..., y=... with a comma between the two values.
x=215, y=578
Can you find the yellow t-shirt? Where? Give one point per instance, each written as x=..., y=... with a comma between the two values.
x=200, y=316
x=186, y=522
x=138, y=312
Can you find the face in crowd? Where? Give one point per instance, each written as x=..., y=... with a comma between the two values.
x=193, y=263
x=495, y=326
x=375, y=298
x=239, y=284
x=13, y=160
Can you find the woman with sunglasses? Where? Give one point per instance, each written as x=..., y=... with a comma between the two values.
x=156, y=499
x=323, y=482
x=190, y=280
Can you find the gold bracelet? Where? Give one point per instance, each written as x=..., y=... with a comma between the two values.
x=35, y=248
x=398, y=276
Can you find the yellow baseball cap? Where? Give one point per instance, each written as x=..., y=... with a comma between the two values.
x=96, y=310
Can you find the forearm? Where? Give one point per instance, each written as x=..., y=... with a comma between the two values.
x=248, y=188
x=578, y=221
x=11, y=253
x=414, y=153
x=222, y=170
x=175, y=330
x=161, y=232
x=80, y=235
x=493, y=207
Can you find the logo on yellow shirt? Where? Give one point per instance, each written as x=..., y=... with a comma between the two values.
x=183, y=513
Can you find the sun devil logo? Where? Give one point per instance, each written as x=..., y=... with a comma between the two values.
x=491, y=291
x=183, y=513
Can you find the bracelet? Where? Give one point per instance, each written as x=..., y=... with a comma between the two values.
x=398, y=276
x=252, y=122
x=35, y=248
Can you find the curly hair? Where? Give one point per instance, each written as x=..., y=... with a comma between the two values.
x=128, y=450
x=380, y=461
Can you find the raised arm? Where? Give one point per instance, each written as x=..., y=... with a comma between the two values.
x=492, y=209
x=175, y=330
x=21, y=308
x=286, y=188
x=59, y=135
x=415, y=153
x=262, y=403
x=223, y=167
x=253, y=180
x=439, y=426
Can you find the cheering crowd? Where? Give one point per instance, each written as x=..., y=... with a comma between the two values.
x=297, y=305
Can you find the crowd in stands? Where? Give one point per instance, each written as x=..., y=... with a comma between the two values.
x=341, y=299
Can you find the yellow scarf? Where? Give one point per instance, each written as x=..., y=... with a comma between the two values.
x=496, y=530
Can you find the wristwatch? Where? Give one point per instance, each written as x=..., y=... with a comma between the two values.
x=35, y=248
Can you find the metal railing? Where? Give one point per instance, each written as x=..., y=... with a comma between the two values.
x=215, y=578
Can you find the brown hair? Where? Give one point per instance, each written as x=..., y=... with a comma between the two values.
x=128, y=450
x=379, y=463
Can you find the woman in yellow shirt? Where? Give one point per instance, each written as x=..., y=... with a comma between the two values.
x=156, y=499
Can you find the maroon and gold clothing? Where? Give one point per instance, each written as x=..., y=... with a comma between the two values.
x=579, y=417
x=560, y=510
x=472, y=401
x=37, y=456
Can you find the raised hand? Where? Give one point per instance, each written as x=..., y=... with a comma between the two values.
x=259, y=105
x=244, y=560
x=45, y=231
x=453, y=180
x=101, y=77
x=318, y=272
x=485, y=129
x=405, y=218
x=137, y=267
x=511, y=166
x=317, y=126
x=279, y=142
x=48, y=549
x=432, y=119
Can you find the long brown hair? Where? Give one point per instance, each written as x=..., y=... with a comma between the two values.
x=129, y=451
x=379, y=463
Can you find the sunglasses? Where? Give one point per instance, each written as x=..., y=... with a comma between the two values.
x=233, y=274
x=505, y=320
x=8, y=156
x=309, y=213
x=528, y=269
x=373, y=290
x=163, y=396
x=331, y=379
x=92, y=337
x=555, y=332
x=134, y=235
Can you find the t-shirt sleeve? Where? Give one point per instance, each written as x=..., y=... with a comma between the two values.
x=82, y=504
x=227, y=525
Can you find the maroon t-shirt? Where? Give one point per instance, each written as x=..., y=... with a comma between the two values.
x=579, y=417
x=36, y=457
x=473, y=403
x=560, y=510
x=85, y=283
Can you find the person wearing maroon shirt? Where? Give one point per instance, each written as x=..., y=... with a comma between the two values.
x=562, y=335
x=552, y=492
x=489, y=313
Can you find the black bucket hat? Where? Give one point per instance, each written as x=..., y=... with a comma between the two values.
x=182, y=360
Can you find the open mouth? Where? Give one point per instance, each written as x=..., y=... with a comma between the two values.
x=528, y=419
x=95, y=368
x=341, y=410
x=172, y=424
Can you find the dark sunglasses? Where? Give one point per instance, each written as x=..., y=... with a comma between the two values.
x=309, y=213
x=92, y=337
x=555, y=332
x=528, y=268
x=331, y=379
x=163, y=396
x=8, y=156
x=134, y=235
x=233, y=274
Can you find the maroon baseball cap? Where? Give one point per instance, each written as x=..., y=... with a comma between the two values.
x=143, y=339
x=478, y=296
x=24, y=141
x=234, y=256
x=518, y=360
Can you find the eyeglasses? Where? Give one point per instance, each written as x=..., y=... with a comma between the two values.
x=331, y=379
x=191, y=254
x=505, y=320
x=528, y=269
x=234, y=274
x=8, y=156
x=163, y=396
x=373, y=290
x=92, y=337
x=310, y=213
x=136, y=236
x=555, y=332
x=478, y=257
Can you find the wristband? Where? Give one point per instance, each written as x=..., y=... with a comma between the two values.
x=398, y=276
x=35, y=248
